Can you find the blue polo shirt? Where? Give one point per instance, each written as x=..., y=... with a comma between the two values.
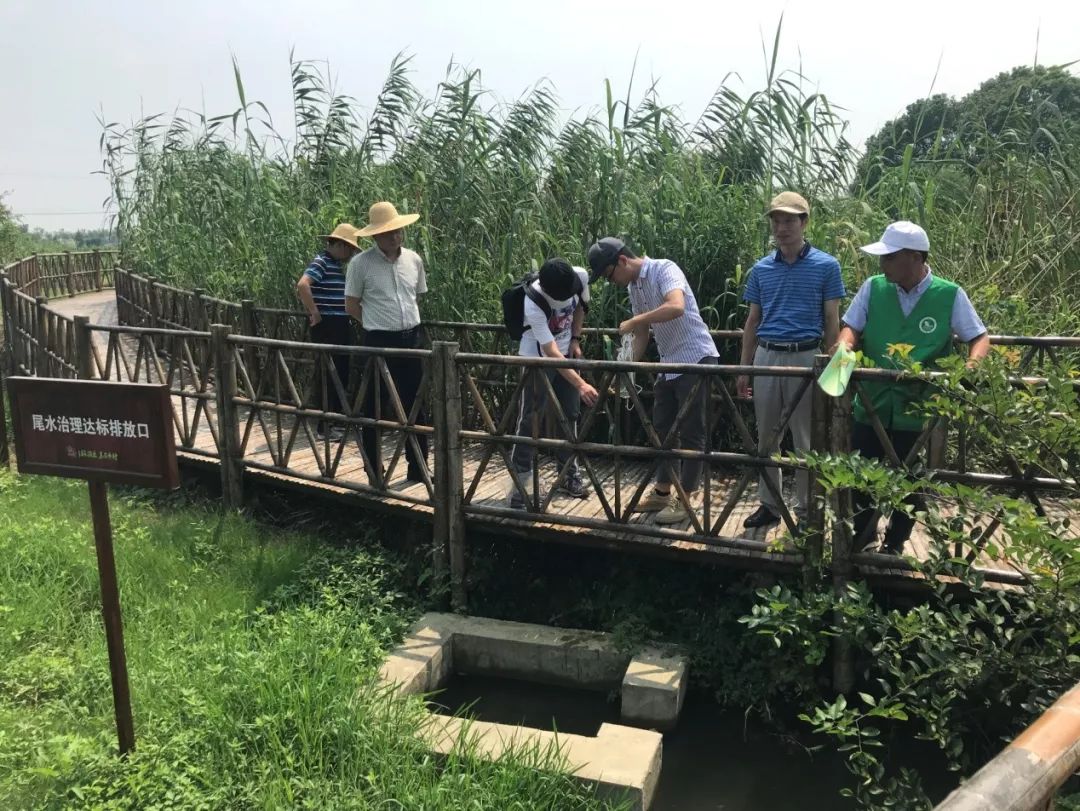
x=791, y=296
x=327, y=285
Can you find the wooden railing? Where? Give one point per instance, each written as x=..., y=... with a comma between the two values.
x=1029, y=772
x=242, y=372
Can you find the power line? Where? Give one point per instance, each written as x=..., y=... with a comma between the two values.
x=60, y=213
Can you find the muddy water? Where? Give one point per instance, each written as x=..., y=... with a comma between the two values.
x=710, y=761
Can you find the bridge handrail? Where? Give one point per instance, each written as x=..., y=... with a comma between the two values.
x=1027, y=774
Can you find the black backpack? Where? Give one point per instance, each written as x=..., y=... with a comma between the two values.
x=513, y=303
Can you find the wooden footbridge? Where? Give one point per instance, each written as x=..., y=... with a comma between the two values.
x=248, y=389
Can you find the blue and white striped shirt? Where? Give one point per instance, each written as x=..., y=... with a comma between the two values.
x=685, y=339
x=327, y=284
x=791, y=296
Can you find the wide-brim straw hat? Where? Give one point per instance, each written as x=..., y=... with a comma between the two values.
x=383, y=217
x=346, y=232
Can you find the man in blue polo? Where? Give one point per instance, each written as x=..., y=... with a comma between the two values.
x=794, y=296
x=905, y=304
x=321, y=289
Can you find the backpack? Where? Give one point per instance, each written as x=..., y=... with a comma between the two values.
x=513, y=303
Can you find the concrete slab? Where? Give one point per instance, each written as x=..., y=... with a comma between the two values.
x=620, y=761
x=653, y=689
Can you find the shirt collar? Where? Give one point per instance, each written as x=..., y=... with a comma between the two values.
x=921, y=287
x=643, y=274
x=779, y=256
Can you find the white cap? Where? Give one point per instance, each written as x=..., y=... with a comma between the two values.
x=899, y=236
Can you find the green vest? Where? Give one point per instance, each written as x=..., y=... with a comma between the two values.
x=928, y=329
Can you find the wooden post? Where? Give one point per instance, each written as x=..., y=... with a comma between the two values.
x=455, y=490
x=110, y=612
x=820, y=418
x=251, y=353
x=939, y=438
x=5, y=458
x=96, y=257
x=69, y=270
x=843, y=655
x=440, y=539
x=232, y=463
x=84, y=362
x=41, y=335
x=154, y=306
x=198, y=320
x=449, y=536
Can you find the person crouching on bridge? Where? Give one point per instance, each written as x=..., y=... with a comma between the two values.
x=321, y=289
x=662, y=301
x=382, y=289
x=555, y=305
x=794, y=296
x=906, y=304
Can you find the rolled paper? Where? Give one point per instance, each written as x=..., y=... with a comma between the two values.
x=834, y=379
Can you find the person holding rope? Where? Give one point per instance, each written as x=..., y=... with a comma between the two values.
x=664, y=304
x=905, y=304
x=553, y=317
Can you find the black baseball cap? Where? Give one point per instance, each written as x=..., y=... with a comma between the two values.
x=557, y=278
x=604, y=253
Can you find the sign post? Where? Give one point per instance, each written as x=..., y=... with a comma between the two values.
x=102, y=432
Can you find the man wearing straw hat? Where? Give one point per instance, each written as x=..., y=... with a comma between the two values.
x=382, y=287
x=794, y=296
x=906, y=304
x=321, y=289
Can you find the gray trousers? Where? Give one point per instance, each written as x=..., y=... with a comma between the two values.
x=772, y=396
x=669, y=398
x=533, y=401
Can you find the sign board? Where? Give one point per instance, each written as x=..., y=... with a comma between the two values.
x=120, y=433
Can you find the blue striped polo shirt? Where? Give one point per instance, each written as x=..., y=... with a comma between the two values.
x=791, y=296
x=327, y=284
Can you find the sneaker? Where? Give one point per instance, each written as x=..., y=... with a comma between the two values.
x=654, y=502
x=514, y=499
x=761, y=517
x=674, y=513
x=573, y=486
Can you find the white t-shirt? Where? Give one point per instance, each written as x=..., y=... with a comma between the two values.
x=539, y=329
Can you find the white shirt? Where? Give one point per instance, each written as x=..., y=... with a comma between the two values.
x=388, y=291
x=543, y=330
x=685, y=339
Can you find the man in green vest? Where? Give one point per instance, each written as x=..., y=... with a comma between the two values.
x=906, y=307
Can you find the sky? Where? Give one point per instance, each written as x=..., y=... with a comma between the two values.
x=67, y=63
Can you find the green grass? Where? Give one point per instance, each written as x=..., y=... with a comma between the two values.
x=251, y=654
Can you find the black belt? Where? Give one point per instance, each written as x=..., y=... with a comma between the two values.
x=402, y=332
x=795, y=346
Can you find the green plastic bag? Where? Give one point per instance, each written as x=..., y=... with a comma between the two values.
x=835, y=377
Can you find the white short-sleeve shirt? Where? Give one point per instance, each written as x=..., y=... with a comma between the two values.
x=543, y=330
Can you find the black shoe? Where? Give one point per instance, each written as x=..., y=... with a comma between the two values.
x=573, y=486
x=761, y=517
x=414, y=475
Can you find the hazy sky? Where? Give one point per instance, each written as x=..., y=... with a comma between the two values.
x=63, y=62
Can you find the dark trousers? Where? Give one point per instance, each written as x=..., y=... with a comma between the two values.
x=669, y=396
x=406, y=374
x=866, y=442
x=337, y=331
x=533, y=402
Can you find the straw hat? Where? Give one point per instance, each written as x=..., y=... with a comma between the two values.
x=346, y=232
x=383, y=217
